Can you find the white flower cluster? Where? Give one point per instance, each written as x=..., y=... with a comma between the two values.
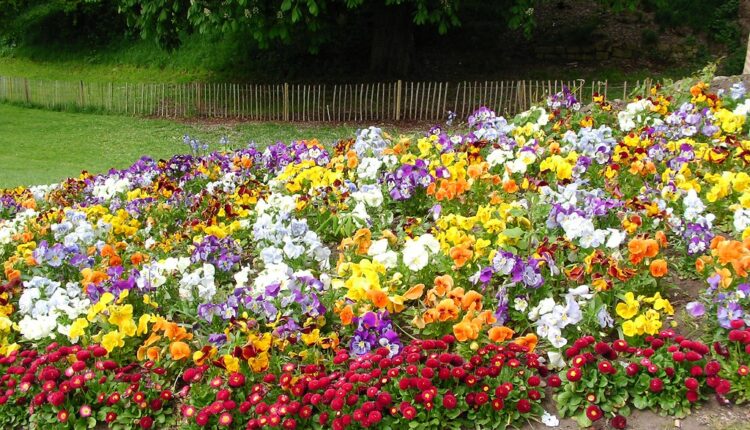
x=77, y=230
x=579, y=227
x=741, y=219
x=43, y=301
x=743, y=108
x=40, y=191
x=370, y=140
x=541, y=117
x=596, y=143
x=417, y=252
x=636, y=113
x=368, y=169
x=367, y=196
x=284, y=238
x=198, y=284
x=493, y=128
x=694, y=209
x=379, y=252
x=11, y=227
x=551, y=318
x=111, y=187
x=227, y=183
x=154, y=275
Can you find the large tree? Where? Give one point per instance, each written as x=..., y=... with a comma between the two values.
x=390, y=23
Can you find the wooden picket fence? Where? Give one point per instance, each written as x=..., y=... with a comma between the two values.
x=365, y=102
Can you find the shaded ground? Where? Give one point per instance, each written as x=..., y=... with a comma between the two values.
x=710, y=416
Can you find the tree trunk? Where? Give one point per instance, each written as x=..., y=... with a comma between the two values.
x=744, y=20
x=392, y=40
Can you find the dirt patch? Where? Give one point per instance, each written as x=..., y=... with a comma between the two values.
x=710, y=416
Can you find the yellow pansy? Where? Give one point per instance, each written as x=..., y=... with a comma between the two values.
x=231, y=363
x=95, y=310
x=629, y=308
x=77, y=328
x=143, y=324
x=122, y=317
x=112, y=340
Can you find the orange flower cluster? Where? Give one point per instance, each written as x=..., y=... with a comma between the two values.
x=178, y=349
x=727, y=253
x=445, y=303
x=642, y=248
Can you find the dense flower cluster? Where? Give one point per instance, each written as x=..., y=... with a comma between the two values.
x=443, y=280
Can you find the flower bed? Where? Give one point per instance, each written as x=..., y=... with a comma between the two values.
x=448, y=280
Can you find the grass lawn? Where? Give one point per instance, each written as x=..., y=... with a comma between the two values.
x=39, y=147
x=74, y=70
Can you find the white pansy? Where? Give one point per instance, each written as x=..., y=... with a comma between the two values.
x=520, y=304
x=415, y=255
x=368, y=168
x=429, y=241
x=741, y=220
x=111, y=187
x=43, y=301
x=616, y=237
x=241, y=277
x=550, y=420
x=198, y=284
x=556, y=360
x=378, y=247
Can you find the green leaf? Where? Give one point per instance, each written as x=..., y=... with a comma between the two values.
x=640, y=402
x=313, y=7
x=582, y=420
x=513, y=233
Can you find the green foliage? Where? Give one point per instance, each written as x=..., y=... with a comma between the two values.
x=268, y=22
x=42, y=21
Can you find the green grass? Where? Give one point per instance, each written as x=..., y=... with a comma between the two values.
x=74, y=70
x=198, y=59
x=39, y=147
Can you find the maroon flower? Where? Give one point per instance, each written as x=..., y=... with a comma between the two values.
x=554, y=381
x=449, y=401
x=606, y=367
x=619, y=422
x=712, y=368
x=408, y=411
x=691, y=396
x=723, y=387
x=632, y=369
x=146, y=422
x=535, y=395
x=691, y=384
x=62, y=416
x=656, y=385
x=498, y=404
x=236, y=380
x=574, y=374
x=620, y=345
x=593, y=413
x=523, y=406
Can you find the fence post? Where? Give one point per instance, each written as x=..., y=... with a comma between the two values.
x=26, y=89
x=286, y=101
x=81, y=92
x=398, y=100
